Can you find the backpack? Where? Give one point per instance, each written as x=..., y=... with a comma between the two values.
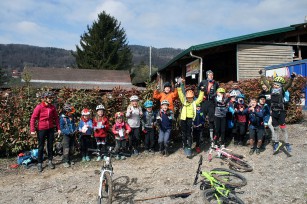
x=27, y=157
x=287, y=97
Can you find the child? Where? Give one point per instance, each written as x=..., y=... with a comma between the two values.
x=121, y=131
x=198, y=125
x=266, y=117
x=230, y=116
x=235, y=89
x=148, y=122
x=241, y=119
x=166, y=95
x=221, y=108
x=164, y=119
x=256, y=126
x=101, y=127
x=134, y=114
x=188, y=114
x=68, y=129
x=86, y=130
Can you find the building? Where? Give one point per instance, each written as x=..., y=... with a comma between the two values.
x=240, y=57
x=57, y=78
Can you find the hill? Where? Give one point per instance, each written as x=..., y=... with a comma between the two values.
x=16, y=56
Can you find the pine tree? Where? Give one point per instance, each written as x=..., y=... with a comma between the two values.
x=3, y=76
x=104, y=46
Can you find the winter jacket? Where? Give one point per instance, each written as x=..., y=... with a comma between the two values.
x=47, y=117
x=67, y=125
x=221, y=107
x=199, y=120
x=121, y=126
x=134, y=117
x=256, y=118
x=88, y=124
x=210, y=89
x=148, y=119
x=165, y=119
x=266, y=113
x=189, y=109
x=241, y=116
x=171, y=96
x=102, y=130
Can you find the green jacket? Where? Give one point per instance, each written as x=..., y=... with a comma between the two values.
x=189, y=109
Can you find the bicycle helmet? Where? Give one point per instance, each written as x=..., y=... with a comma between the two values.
x=261, y=96
x=165, y=102
x=67, y=108
x=233, y=94
x=208, y=72
x=279, y=79
x=189, y=94
x=119, y=115
x=100, y=107
x=134, y=98
x=47, y=94
x=241, y=96
x=85, y=111
x=167, y=84
x=148, y=104
x=220, y=90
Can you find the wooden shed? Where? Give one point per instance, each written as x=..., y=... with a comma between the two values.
x=239, y=57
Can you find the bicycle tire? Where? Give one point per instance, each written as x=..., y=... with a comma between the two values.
x=239, y=165
x=229, y=177
x=106, y=190
x=208, y=197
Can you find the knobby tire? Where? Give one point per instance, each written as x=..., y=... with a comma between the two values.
x=208, y=196
x=229, y=177
x=239, y=165
x=106, y=190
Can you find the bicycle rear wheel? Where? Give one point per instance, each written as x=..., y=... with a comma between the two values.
x=106, y=189
x=239, y=165
x=228, y=177
x=210, y=196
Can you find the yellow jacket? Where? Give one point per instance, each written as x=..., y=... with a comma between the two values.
x=189, y=109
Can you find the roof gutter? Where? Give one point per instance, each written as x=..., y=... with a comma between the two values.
x=201, y=67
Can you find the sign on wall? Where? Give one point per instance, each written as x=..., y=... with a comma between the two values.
x=284, y=71
x=192, y=68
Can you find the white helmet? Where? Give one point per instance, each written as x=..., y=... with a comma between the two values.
x=134, y=98
x=233, y=93
x=100, y=107
x=165, y=102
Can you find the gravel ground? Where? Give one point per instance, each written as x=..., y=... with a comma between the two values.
x=275, y=179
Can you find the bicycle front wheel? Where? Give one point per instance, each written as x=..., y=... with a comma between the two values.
x=106, y=189
x=228, y=177
x=212, y=196
x=239, y=165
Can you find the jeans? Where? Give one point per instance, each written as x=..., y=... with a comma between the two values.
x=164, y=136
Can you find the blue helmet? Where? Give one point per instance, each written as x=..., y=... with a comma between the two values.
x=241, y=96
x=148, y=104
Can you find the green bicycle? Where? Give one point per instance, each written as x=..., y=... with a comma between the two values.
x=219, y=185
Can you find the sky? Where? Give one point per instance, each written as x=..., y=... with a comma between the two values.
x=156, y=23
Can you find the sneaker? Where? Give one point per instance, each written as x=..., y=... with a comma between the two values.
x=87, y=158
x=222, y=146
x=276, y=146
x=288, y=147
x=72, y=163
x=98, y=158
x=189, y=152
x=66, y=165
x=117, y=157
x=146, y=152
x=257, y=151
x=122, y=157
x=39, y=167
x=51, y=165
x=83, y=159
x=135, y=152
x=105, y=158
x=198, y=150
x=251, y=151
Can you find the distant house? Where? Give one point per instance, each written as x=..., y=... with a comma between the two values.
x=16, y=73
x=239, y=57
x=57, y=78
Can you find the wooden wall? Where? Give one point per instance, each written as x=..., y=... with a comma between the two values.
x=251, y=58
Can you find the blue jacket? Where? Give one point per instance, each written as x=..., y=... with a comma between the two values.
x=165, y=123
x=67, y=125
x=199, y=119
x=89, y=123
x=266, y=113
x=256, y=117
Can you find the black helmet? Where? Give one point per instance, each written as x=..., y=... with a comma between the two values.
x=167, y=84
x=47, y=94
x=261, y=96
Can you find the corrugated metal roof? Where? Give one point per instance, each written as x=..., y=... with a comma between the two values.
x=231, y=41
x=286, y=64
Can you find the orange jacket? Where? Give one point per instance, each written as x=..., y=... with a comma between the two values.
x=171, y=96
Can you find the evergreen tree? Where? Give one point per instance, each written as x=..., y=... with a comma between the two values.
x=104, y=46
x=3, y=76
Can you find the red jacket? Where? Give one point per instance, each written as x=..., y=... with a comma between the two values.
x=118, y=126
x=47, y=117
x=101, y=132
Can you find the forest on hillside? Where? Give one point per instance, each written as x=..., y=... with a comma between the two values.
x=17, y=56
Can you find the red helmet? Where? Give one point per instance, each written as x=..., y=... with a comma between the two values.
x=119, y=115
x=85, y=111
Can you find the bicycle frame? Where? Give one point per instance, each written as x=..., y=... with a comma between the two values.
x=220, y=151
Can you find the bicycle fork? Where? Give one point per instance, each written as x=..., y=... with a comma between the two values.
x=102, y=180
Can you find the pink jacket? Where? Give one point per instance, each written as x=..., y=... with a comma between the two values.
x=47, y=117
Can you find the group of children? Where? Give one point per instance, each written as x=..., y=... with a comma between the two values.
x=232, y=118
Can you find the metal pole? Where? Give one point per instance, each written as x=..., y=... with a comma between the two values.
x=149, y=61
x=201, y=67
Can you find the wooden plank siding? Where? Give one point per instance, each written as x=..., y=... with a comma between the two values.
x=252, y=58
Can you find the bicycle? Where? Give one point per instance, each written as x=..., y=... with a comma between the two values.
x=105, y=193
x=234, y=160
x=219, y=185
